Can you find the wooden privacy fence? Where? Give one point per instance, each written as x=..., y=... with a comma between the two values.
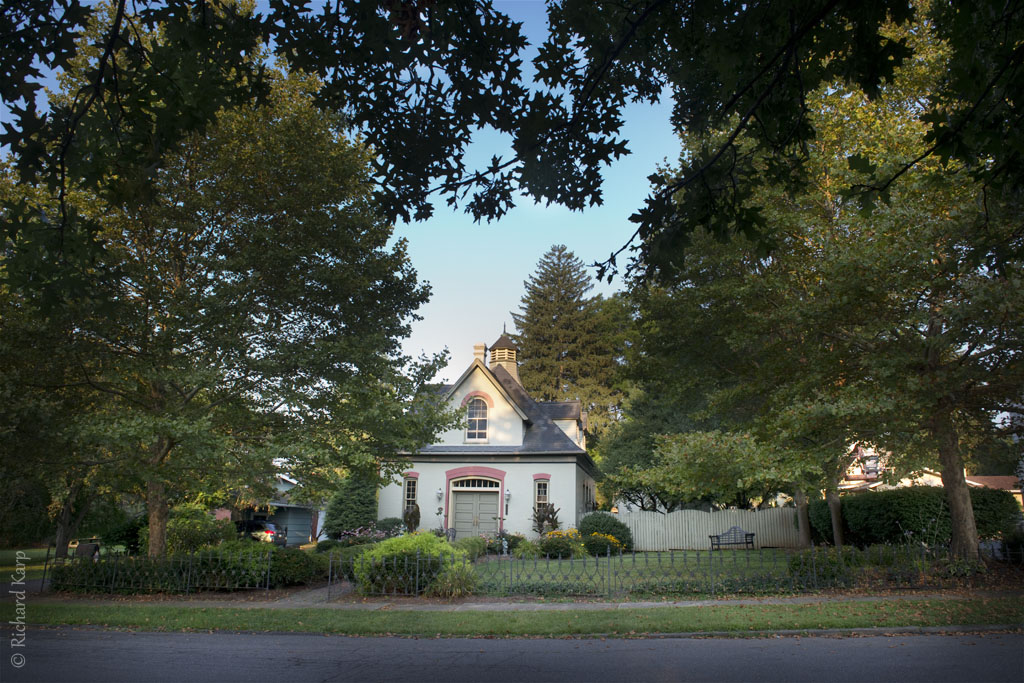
x=690, y=529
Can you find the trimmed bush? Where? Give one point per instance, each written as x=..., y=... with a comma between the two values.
x=288, y=566
x=918, y=514
x=601, y=544
x=604, y=523
x=190, y=528
x=921, y=514
x=406, y=564
x=354, y=506
x=821, y=521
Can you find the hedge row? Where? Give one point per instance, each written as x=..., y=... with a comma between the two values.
x=916, y=513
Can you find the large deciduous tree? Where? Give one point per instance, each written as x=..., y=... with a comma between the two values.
x=249, y=314
x=897, y=324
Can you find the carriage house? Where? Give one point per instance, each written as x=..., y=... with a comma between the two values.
x=511, y=455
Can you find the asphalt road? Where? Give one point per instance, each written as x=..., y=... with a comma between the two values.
x=67, y=654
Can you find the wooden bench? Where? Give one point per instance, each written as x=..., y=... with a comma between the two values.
x=734, y=536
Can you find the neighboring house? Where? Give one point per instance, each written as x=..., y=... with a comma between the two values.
x=303, y=523
x=512, y=455
x=866, y=469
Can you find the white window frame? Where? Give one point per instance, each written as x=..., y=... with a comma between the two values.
x=537, y=502
x=473, y=424
x=410, y=489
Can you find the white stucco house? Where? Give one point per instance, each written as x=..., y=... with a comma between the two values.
x=512, y=454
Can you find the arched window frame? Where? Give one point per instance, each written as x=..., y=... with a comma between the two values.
x=477, y=416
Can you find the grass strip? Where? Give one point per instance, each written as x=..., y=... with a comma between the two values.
x=624, y=622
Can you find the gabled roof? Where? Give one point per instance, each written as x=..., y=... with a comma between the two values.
x=541, y=436
x=477, y=365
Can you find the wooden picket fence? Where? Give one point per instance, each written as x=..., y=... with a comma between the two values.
x=689, y=529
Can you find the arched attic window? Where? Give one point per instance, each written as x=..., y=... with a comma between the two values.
x=476, y=414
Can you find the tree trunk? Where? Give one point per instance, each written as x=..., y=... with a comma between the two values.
x=802, y=518
x=156, y=504
x=836, y=513
x=964, y=541
x=67, y=521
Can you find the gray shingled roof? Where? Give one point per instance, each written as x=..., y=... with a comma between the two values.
x=561, y=410
x=542, y=436
x=504, y=343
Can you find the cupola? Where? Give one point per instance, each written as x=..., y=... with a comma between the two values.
x=505, y=354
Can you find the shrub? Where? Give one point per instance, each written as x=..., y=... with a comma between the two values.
x=391, y=526
x=604, y=523
x=342, y=560
x=821, y=521
x=411, y=517
x=329, y=545
x=455, y=581
x=921, y=514
x=475, y=546
x=562, y=544
x=191, y=528
x=527, y=550
x=126, y=534
x=1013, y=546
x=288, y=566
x=354, y=506
x=405, y=564
x=361, y=536
x=601, y=544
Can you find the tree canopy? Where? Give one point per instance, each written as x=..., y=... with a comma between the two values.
x=417, y=79
x=246, y=318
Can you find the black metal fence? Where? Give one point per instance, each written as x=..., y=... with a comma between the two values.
x=114, y=572
x=693, y=573
x=639, y=574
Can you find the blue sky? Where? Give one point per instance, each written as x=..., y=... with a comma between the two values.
x=476, y=271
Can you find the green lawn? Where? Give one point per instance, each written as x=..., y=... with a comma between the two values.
x=621, y=622
x=678, y=572
x=33, y=563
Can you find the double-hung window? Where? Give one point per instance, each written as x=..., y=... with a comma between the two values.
x=476, y=429
x=540, y=493
x=410, y=492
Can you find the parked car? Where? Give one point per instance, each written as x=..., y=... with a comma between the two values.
x=263, y=531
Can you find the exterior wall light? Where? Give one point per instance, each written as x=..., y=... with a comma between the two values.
x=440, y=493
x=508, y=494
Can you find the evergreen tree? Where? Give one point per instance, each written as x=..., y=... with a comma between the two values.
x=569, y=343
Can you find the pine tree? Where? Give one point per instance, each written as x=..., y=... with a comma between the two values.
x=569, y=343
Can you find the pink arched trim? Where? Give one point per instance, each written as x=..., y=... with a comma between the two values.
x=478, y=394
x=541, y=475
x=411, y=475
x=474, y=471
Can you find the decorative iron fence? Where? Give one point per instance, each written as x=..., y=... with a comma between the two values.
x=181, y=573
x=638, y=574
